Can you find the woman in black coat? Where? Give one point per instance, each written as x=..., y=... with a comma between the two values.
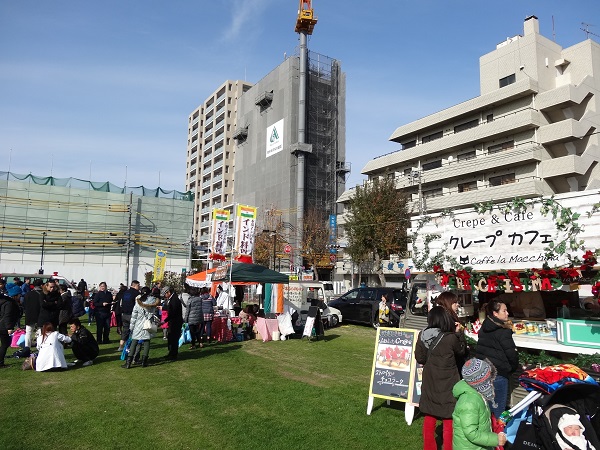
x=495, y=342
x=439, y=347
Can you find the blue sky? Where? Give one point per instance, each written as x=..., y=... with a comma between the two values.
x=90, y=88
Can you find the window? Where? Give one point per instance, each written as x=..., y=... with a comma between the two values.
x=432, y=165
x=489, y=118
x=502, y=179
x=466, y=156
x=507, y=80
x=501, y=147
x=431, y=137
x=409, y=144
x=469, y=186
x=465, y=126
x=433, y=193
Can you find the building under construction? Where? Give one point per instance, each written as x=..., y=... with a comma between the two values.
x=94, y=230
x=267, y=171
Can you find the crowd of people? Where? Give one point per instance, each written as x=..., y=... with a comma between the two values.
x=52, y=320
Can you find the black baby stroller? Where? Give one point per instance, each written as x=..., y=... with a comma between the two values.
x=580, y=399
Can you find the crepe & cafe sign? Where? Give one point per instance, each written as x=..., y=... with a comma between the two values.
x=510, y=238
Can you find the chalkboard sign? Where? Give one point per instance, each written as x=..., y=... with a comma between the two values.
x=393, y=362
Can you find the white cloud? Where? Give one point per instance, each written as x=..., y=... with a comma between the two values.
x=244, y=15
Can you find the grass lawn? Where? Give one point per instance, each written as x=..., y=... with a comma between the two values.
x=293, y=394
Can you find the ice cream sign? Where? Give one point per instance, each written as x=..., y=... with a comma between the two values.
x=507, y=238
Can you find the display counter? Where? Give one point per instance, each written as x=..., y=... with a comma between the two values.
x=266, y=328
x=547, y=343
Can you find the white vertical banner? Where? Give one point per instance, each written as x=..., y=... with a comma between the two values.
x=220, y=227
x=245, y=231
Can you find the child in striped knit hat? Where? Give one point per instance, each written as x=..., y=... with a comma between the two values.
x=472, y=416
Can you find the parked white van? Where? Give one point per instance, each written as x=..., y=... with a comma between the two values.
x=300, y=293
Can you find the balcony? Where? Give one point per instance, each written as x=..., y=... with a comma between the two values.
x=218, y=165
x=192, y=179
x=209, y=109
x=217, y=178
x=206, y=170
x=565, y=130
x=522, y=188
x=570, y=165
x=206, y=183
x=219, y=151
x=219, y=125
x=504, y=125
x=456, y=113
x=520, y=154
x=565, y=95
x=205, y=224
x=220, y=138
x=208, y=134
x=205, y=197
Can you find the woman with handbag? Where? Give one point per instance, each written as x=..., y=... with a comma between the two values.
x=439, y=347
x=143, y=325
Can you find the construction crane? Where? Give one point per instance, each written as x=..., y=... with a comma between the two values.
x=306, y=19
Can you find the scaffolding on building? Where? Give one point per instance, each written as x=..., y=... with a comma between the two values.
x=326, y=168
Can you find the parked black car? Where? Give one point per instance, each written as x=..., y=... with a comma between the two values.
x=362, y=305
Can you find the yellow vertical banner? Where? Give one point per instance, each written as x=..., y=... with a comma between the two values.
x=159, y=265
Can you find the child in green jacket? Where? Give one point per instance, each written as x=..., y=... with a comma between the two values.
x=472, y=417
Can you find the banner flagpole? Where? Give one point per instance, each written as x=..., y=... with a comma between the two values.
x=233, y=242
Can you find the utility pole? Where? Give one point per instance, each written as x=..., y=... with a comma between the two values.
x=41, y=271
x=128, y=248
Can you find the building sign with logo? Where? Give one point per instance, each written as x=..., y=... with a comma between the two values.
x=275, y=138
x=509, y=238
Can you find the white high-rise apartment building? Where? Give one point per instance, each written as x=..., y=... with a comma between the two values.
x=211, y=154
x=532, y=131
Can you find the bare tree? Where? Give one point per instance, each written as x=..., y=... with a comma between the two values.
x=316, y=238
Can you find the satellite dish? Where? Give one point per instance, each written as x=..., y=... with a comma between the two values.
x=450, y=158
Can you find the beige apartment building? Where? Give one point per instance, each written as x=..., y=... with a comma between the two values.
x=532, y=131
x=211, y=154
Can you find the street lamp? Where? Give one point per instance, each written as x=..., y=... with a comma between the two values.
x=41, y=271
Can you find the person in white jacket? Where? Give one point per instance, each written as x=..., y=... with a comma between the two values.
x=51, y=354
